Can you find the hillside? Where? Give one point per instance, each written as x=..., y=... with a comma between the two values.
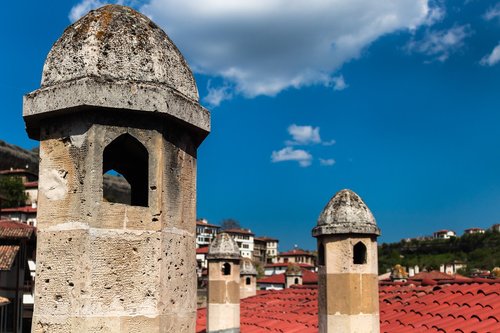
x=11, y=156
x=480, y=251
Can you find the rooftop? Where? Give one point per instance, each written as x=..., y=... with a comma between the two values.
x=465, y=307
x=7, y=255
x=239, y=231
x=14, y=230
x=296, y=252
x=23, y=209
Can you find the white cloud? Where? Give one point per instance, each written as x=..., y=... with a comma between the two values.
x=327, y=162
x=216, y=95
x=289, y=154
x=493, y=58
x=436, y=13
x=440, y=44
x=303, y=135
x=492, y=13
x=339, y=83
x=262, y=47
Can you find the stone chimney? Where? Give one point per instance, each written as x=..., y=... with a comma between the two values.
x=293, y=275
x=223, y=285
x=348, y=298
x=248, y=278
x=398, y=274
x=116, y=94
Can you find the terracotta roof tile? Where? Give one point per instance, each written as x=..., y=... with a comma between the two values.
x=24, y=209
x=7, y=256
x=13, y=230
x=465, y=307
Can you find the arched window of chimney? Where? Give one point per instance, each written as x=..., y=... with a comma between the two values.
x=296, y=281
x=359, y=253
x=127, y=157
x=321, y=254
x=248, y=280
x=226, y=268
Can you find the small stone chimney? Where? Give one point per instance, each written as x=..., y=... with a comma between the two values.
x=293, y=275
x=223, y=285
x=248, y=278
x=348, y=298
x=398, y=274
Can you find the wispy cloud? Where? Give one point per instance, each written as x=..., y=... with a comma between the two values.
x=493, y=58
x=303, y=135
x=216, y=95
x=440, y=44
x=303, y=157
x=339, y=83
x=492, y=12
x=326, y=162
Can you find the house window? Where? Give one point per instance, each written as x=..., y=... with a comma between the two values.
x=226, y=268
x=359, y=253
x=126, y=156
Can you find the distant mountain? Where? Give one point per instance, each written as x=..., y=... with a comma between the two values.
x=116, y=188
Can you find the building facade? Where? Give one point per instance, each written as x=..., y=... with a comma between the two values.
x=245, y=240
x=205, y=232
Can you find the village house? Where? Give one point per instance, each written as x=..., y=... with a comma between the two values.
x=205, y=232
x=297, y=256
x=245, y=240
x=472, y=231
x=444, y=234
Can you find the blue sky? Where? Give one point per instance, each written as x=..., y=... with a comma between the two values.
x=396, y=100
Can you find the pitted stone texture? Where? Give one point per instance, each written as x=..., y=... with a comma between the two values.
x=346, y=213
x=117, y=43
x=247, y=267
x=223, y=247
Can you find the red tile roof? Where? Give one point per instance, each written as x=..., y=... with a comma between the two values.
x=13, y=229
x=203, y=224
x=7, y=255
x=24, y=209
x=296, y=253
x=466, y=307
x=239, y=231
x=434, y=275
x=31, y=184
x=266, y=239
x=202, y=250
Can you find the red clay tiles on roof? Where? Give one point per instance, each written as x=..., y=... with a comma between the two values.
x=432, y=275
x=31, y=184
x=308, y=277
x=13, y=230
x=7, y=255
x=285, y=264
x=239, y=231
x=296, y=253
x=462, y=306
x=202, y=250
x=24, y=209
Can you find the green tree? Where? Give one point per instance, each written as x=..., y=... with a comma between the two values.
x=13, y=192
x=230, y=224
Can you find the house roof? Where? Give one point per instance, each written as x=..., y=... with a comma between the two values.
x=239, y=231
x=436, y=275
x=206, y=224
x=266, y=239
x=31, y=184
x=202, y=250
x=24, y=209
x=7, y=255
x=296, y=252
x=12, y=229
x=308, y=277
x=466, y=307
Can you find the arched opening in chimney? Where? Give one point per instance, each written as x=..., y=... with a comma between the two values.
x=226, y=269
x=128, y=157
x=359, y=253
x=248, y=281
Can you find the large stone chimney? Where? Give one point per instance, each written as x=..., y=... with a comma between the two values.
x=223, y=285
x=348, y=270
x=293, y=275
x=116, y=94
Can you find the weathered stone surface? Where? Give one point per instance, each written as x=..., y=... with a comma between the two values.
x=117, y=43
x=223, y=247
x=247, y=267
x=346, y=213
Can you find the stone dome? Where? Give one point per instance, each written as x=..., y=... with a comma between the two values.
x=293, y=269
x=116, y=43
x=346, y=213
x=247, y=267
x=223, y=247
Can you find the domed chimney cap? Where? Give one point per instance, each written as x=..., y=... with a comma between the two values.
x=117, y=43
x=223, y=247
x=346, y=213
x=294, y=270
x=247, y=267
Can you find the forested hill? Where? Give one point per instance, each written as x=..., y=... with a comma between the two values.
x=15, y=157
x=480, y=251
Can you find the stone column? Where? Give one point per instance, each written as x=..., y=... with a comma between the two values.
x=248, y=279
x=348, y=299
x=223, y=285
x=117, y=95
